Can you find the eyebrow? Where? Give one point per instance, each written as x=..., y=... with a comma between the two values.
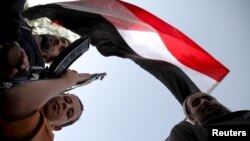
x=73, y=112
x=68, y=99
x=207, y=96
x=74, y=105
x=201, y=97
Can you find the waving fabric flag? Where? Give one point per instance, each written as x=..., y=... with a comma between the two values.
x=121, y=29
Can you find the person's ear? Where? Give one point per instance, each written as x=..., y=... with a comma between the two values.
x=56, y=128
x=192, y=119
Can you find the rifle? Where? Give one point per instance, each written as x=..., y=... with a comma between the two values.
x=61, y=63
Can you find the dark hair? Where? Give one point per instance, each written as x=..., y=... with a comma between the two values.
x=73, y=121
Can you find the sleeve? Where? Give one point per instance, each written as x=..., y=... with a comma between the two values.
x=185, y=131
x=180, y=132
x=35, y=128
x=10, y=13
x=21, y=128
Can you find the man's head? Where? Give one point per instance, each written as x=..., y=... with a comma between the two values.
x=51, y=46
x=200, y=107
x=63, y=110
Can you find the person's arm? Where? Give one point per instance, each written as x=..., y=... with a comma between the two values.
x=170, y=75
x=22, y=100
x=83, y=77
x=10, y=13
x=13, y=60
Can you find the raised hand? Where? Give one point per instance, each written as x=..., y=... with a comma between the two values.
x=15, y=60
x=70, y=77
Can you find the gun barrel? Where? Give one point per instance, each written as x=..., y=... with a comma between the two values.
x=83, y=77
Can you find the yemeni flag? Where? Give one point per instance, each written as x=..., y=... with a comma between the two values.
x=121, y=29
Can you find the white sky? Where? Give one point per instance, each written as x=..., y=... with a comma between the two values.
x=131, y=105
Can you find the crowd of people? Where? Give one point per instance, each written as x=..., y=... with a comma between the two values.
x=26, y=114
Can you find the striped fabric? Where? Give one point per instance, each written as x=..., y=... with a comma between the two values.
x=125, y=30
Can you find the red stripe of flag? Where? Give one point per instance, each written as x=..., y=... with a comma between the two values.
x=196, y=64
x=184, y=49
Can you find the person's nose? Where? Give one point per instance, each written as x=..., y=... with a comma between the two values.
x=66, y=105
x=204, y=101
x=62, y=47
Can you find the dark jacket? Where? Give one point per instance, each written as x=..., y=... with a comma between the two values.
x=13, y=28
x=235, y=121
x=185, y=131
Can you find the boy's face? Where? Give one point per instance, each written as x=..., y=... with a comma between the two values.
x=62, y=109
x=52, y=46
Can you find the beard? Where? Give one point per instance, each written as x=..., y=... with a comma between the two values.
x=212, y=112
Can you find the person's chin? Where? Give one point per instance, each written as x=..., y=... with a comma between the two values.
x=48, y=61
x=49, y=108
x=214, y=113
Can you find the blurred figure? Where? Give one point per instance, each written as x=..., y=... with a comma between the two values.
x=19, y=49
x=32, y=110
x=204, y=110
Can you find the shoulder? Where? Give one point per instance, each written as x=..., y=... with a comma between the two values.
x=184, y=126
x=44, y=131
x=185, y=131
x=26, y=128
x=19, y=128
x=238, y=117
